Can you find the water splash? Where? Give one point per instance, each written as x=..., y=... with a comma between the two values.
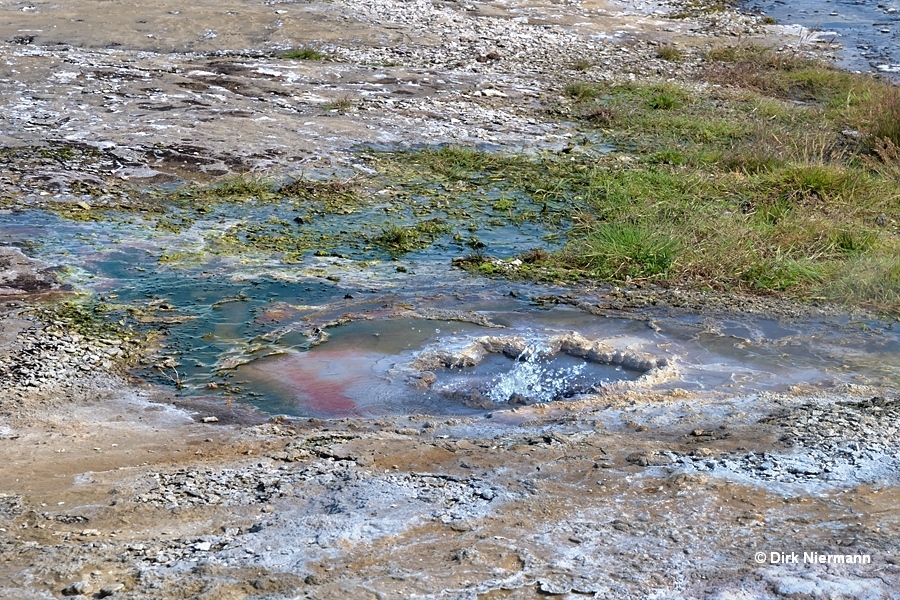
x=534, y=379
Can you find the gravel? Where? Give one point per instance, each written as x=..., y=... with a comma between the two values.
x=831, y=442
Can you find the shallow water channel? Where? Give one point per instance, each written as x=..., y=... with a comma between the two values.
x=330, y=337
x=868, y=30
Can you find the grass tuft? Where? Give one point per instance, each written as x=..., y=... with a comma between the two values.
x=304, y=53
x=664, y=100
x=582, y=64
x=785, y=75
x=882, y=114
x=853, y=242
x=581, y=91
x=621, y=251
x=399, y=239
x=669, y=53
x=241, y=186
x=781, y=273
x=872, y=282
x=886, y=159
x=341, y=105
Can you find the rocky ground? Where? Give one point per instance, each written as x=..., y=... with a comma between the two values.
x=164, y=91
x=108, y=490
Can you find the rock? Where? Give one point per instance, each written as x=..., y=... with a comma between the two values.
x=422, y=380
x=79, y=588
x=10, y=506
x=22, y=275
x=466, y=555
x=108, y=590
x=555, y=586
x=518, y=399
x=648, y=459
x=620, y=525
x=474, y=399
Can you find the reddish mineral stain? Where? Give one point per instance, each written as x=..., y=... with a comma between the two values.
x=325, y=382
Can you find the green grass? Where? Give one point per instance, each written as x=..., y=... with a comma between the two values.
x=881, y=117
x=581, y=91
x=398, y=239
x=623, y=251
x=744, y=180
x=746, y=185
x=234, y=188
x=240, y=187
x=869, y=281
x=331, y=196
x=453, y=165
x=304, y=53
x=87, y=317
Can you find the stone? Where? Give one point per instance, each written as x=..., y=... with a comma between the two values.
x=555, y=586
x=422, y=380
x=109, y=590
x=648, y=459
x=79, y=588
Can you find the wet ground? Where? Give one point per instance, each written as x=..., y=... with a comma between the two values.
x=337, y=336
x=332, y=419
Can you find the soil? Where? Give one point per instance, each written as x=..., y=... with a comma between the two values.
x=111, y=490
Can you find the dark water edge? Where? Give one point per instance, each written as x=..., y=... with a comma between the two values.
x=867, y=30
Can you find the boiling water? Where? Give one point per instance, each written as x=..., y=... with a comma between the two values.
x=534, y=378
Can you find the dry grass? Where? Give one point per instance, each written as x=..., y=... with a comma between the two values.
x=669, y=52
x=787, y=75
x=881, y=116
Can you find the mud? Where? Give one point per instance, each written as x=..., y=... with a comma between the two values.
x=112, y=486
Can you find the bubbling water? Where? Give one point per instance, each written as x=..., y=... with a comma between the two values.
x=533, y=378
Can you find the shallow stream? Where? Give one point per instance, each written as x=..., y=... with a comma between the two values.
x=868, y=30
x=331, y=336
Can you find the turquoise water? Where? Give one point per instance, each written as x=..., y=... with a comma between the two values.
x=324, y=336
